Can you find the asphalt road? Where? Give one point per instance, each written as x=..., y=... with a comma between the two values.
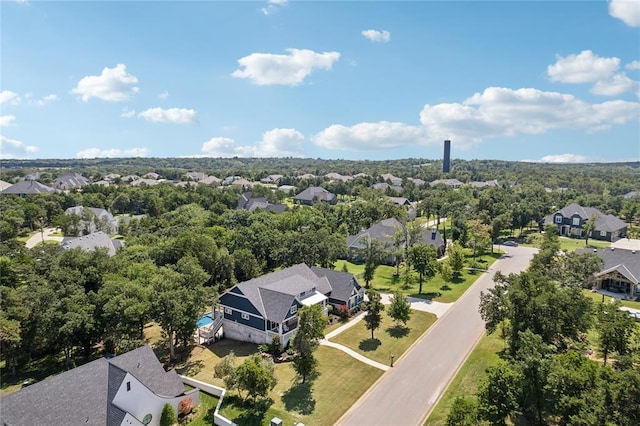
x=407, y=393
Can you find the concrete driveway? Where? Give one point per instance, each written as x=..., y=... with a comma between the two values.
x=437, y=308
x=406, y=393
x=627, y=244
x=40, y=237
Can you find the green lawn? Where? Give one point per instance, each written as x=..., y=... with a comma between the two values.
x=204, y=412
x=388, y=339
x=466, y=381
x=321, y=401
x=436, y=289
x=597, y=297
x=534, y=238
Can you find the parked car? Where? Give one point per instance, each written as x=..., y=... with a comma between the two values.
x=510, y=243
x=635, y=315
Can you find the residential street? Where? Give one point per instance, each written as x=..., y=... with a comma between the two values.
x=407, y=393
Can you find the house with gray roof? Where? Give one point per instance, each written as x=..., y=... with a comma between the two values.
x=315, y=194
x=271, y=179
x=620, y=272
x=384, y=186
x=70, y=181
x=267, y=306
x=93, y=219
x=385, y=231
x=572, y=219
x=395, y=181
x=92, y=242
x=210, y=180
x=28, y=187
x=130, y=389
x=452, y=183
x=247, y=202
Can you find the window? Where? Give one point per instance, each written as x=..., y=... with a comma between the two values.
x=603, y=233
x=227, y=310
x=558, y=219
x=294, y=309
x=128, y=386
x=245, y=316
x=576, y=221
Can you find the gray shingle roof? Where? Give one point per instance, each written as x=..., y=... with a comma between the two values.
x=342, y=283
x=273, y=294
x=91, y=242
x=314, y=193
x=71, y=181
x=604, y=222
x=626, y=262
x=385, y=230
x=83, y=395
x=27, y=187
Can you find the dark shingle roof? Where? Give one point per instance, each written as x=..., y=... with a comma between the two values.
x=27, y=187
x=626, y=262
x=83, y=395
x=91, y=242
x=342, y=283
x=603, y=222
x=273, y=294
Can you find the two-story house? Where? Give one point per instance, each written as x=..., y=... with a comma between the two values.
x=571, y=221
x=267, y=306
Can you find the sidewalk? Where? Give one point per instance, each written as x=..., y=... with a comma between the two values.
x=425, y=305
x=354, y=354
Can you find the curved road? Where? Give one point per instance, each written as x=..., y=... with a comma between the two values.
x=406, y=394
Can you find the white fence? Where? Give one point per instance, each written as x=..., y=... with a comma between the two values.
x=218, y=419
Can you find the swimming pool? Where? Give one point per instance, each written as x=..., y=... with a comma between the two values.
x=206, y=319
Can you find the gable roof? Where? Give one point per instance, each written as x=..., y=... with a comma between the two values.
x=603, y=222
x=84, y=394
x=385, y=230
x=91, y=242
x=273, y=294
x=449, y=182
x=27, y=187
x=4, y=185
x=314, y=193
x=625, y=262
x=71, y=181
x=342, y=283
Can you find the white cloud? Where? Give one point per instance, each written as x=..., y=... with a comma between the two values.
x=11, y=148
x=9, y=96
x=127, y=113
x=290, y=70
x=274, y=143
x=626, y=10
x=111, y=153
x=585, y=67
x=564, y=158
x=45, y=100
x=219, y=147
x=163, y=95
x=273, y=6
x=6, y=120
x=635, y=65
x=171, y=115
x=113, y=84
x=367, y=136
x=378, y=36
x=615, y=85
x=500, y=112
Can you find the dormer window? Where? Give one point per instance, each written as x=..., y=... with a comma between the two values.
x=294, y=309
x=558, y=219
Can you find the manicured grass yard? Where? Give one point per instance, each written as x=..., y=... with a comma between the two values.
x=436, y=289
x=389, y=339
x=321, y=401
x=597, y=298
x=204, y=414
x=466, y=381
x=533, y=239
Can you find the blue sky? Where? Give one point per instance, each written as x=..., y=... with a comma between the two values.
x=509, y=80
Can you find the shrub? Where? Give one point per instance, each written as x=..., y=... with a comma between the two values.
x=168, y=416
x=276, y=346
x=343, y=312
x=185, y=407
x=263, y=348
